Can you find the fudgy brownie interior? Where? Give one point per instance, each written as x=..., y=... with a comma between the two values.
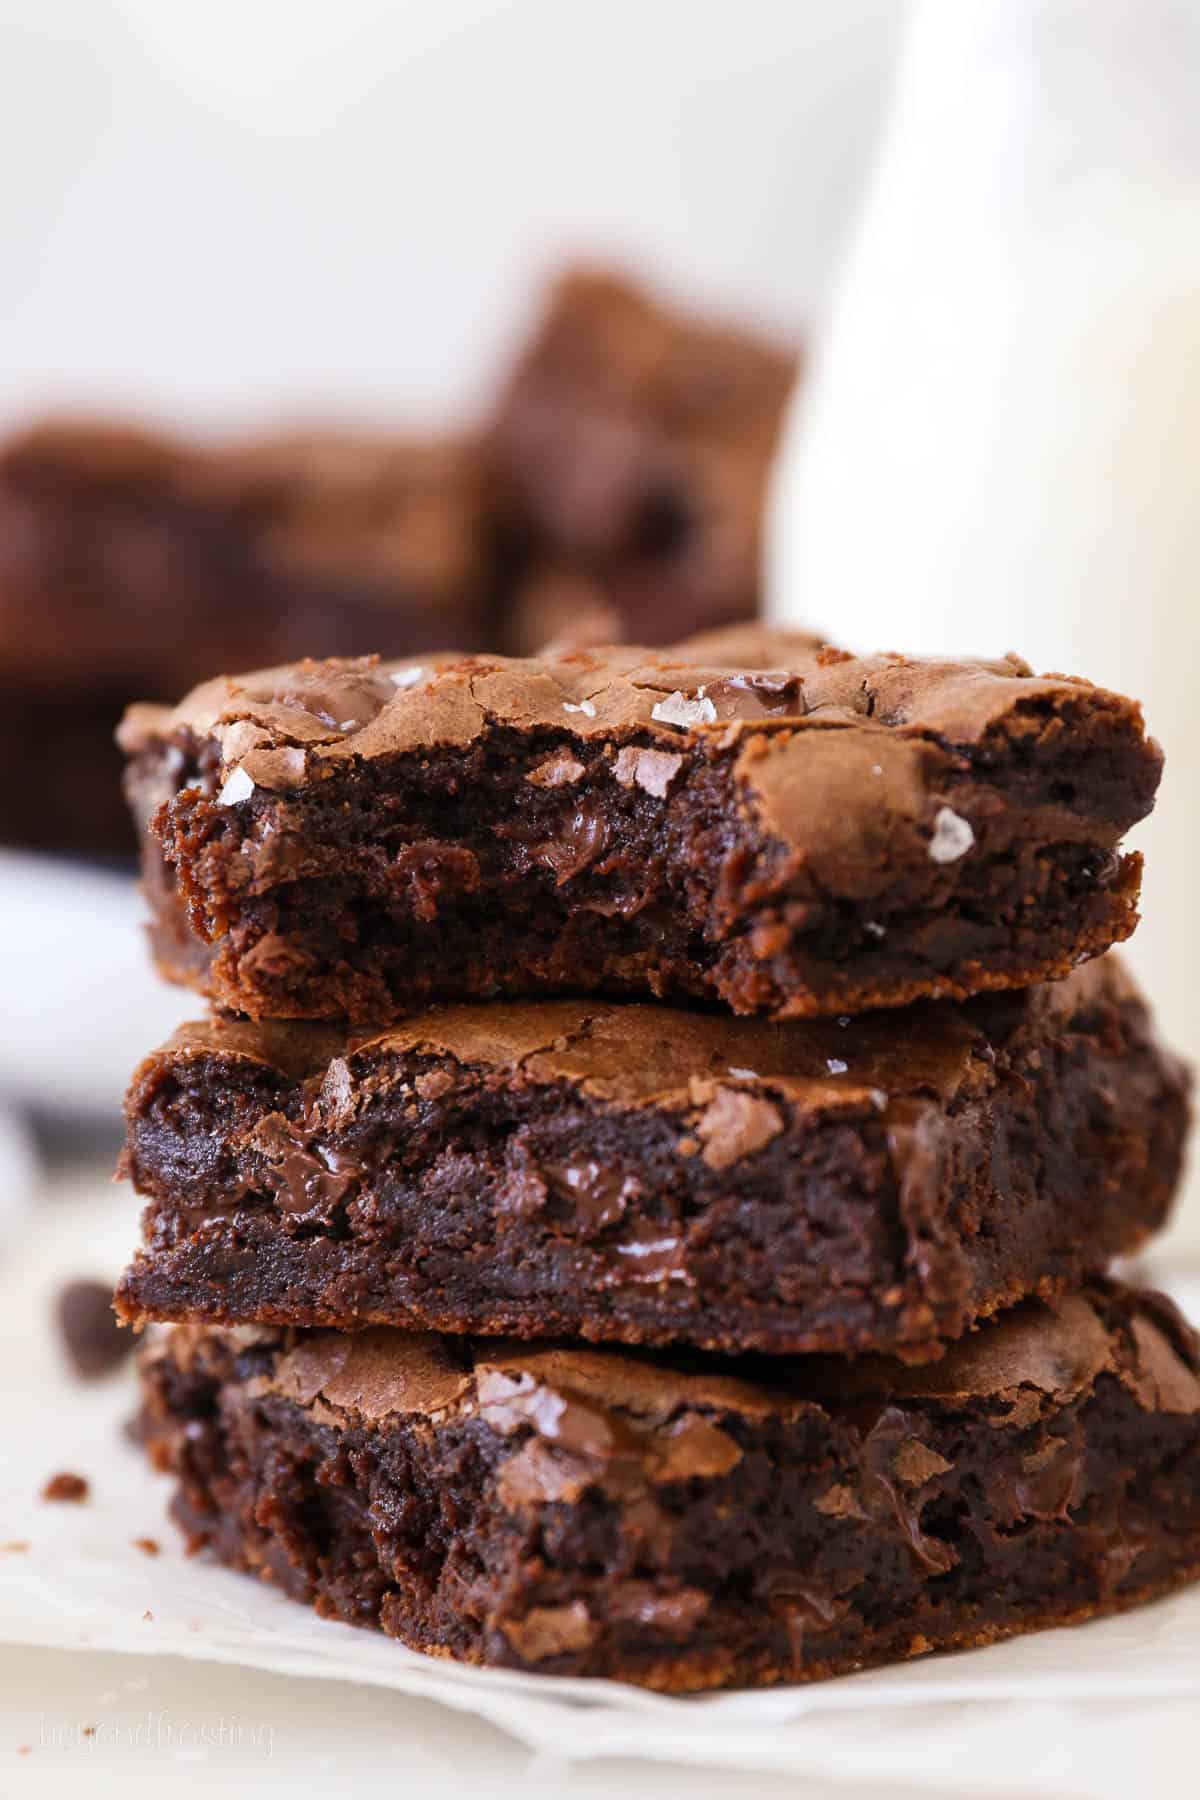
x=642, y=1174
x=685, y=1524
x=816, y=835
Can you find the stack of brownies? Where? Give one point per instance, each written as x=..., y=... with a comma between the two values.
x=640, y=1203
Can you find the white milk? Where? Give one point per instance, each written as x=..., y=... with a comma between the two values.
x=1000, y=448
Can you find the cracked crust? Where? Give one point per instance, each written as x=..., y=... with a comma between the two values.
x=665, y=1522
x=363, y=708
x=640, y=1174
x=807, y=834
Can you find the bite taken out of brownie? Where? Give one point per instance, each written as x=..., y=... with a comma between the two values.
x=639, y=1174
x=786, y=829
x=686, y=1524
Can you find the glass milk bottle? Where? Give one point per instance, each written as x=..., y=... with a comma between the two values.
x=1000, y=447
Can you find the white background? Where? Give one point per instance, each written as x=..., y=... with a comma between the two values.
x=214, y=210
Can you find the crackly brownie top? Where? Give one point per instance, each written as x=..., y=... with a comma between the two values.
x=724, y=1069
x=577, y=1397
x=863, y=719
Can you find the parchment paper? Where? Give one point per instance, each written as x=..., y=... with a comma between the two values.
x=83, y=1582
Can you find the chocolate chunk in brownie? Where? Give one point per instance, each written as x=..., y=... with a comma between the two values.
x=639, y=1174
x=802, y=833
x=131, y=562
x=91, y=1336
x=693, y=1524
x=633, y=443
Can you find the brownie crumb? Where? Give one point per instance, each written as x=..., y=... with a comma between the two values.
x=88, y=1731
x=94, y=1342
x=16, y=1544
x=66, y=1486
x=150, y=1546
x=148, y=1615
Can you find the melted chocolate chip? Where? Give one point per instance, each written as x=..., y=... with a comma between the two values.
x=598, y=1195
x=303, y=1178
x=650, y=1253
x=1050, y=1482
x=886, y=1494
x=766, y=694
x=674, y=1614
x=343, y=699
x=581, y=839
x=806, y=1607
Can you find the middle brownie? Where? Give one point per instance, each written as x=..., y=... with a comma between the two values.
x=646, y=1175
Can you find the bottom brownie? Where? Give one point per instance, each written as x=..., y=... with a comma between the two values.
x=692, y=1523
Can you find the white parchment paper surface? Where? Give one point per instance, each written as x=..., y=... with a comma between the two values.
x=1046, y=1706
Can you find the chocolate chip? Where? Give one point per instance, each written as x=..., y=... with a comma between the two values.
x=580, y=840
x=596, y=1193
x=91, y=1336
x=343, y=699
x=767, y=694
x=303, y=1177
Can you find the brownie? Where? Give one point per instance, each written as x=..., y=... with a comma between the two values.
x=639, y=1174
x=787, y=829
x=633, y=443
x=135, y=562
x=689, y=1524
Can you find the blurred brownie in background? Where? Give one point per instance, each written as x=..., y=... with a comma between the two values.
x=616, y=495
x=132, y=562
x=631, y=448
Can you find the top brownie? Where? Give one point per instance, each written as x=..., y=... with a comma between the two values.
x=787, y=829
x=633, y=445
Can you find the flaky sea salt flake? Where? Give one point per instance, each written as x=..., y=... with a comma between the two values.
x=238, y=786
x=679, y=709
x=952, y=836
